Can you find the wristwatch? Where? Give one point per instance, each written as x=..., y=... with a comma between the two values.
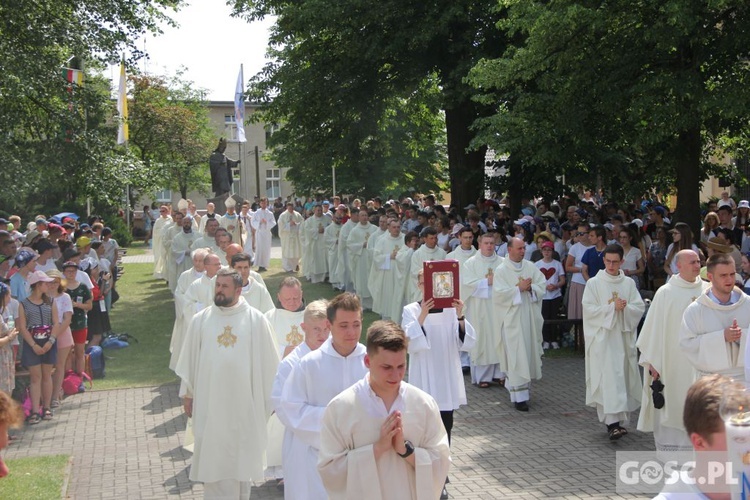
x=409, y=449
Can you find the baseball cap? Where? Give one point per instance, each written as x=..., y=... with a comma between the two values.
x=38, y=276
x=25, y=256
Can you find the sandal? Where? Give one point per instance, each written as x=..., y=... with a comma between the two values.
x=623, y=430
x=47, y=414
x=55, y=403
x=616, y=433
x=484, y=385
x=33, y=419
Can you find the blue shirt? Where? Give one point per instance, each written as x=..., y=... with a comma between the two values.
x=594, y=260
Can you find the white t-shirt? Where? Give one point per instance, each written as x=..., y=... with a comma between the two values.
x=552, y=271
x=577, y=251
x=630, y=260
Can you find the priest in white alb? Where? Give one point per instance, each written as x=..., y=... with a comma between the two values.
x=382, y=231
x=465, y=250
x=477, y=282
x=208, y=238
x=157, y=233
x=315, y=381
x=713, y=334
x=387, y=278
x=427, y=252
x=316, y=249
x=331, y=236
x=292, y=452
x=180, y=303
x=182, y=245
x=612, y=308
x=200, y=293
x=663, y=360
x=343, y=271
x=170, y=268
x=254, y=292
x=287, y=319
x=231, y=221
x=382, y=438
x=289, y=233
x=359, y=257
x=517, y=291
x=227, y=366
x=263, y=221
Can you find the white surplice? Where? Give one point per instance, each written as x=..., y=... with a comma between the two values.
x=289, y=234
x=343, y=272
x=316, y=249
x=359, y=261
x=434, y=363
x=287, y=325
x=702, y=335
x=477, y=295
x=373, y=268
x=263, y=221
x=257, y=296
x=659, y=343
x=227, y=365
x=314, y=382
x=331, y=234
x=180, y=302
x=351, y=426
x=388, y=277
x=613, y=384
x=182, y=244
x=520, y=316
x=157, y=233
x=461, y=255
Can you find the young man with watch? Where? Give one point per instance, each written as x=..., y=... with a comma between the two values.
x=382, y=437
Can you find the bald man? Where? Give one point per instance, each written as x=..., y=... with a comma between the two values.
x=663, y=360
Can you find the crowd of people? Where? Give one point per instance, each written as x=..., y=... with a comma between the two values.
x=590, y=261
x=57, y=285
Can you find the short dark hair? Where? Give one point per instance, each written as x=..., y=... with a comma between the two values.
x=615, y=249
x=427, y=231
x=240, y=257
x=346, y=301
x=719, y=258
x=234, y=275
x=385, y=334
x=465, y=229
x=410, y=236
x=600, y=231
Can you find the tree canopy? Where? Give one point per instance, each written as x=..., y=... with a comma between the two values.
x=343, y=69
x=54, y=136
x=640, y=92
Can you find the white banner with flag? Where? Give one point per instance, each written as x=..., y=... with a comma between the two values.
x=239, y=107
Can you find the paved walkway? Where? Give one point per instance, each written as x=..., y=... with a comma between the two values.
x=127, y=443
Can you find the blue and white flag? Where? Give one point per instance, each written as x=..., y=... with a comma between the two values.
x=239, y=107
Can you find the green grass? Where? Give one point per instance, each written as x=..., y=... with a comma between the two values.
x=137, y=248
x=146, y=310
x=39, y=478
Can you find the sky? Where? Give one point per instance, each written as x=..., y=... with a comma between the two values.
x=210, y=44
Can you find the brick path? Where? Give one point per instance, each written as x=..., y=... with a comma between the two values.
x=126, y=444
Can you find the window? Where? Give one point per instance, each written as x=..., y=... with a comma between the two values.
x=273, y=182
x=228, y=118
x=163, y=196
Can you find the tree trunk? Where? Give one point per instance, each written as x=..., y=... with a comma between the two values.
x=688, y=179
x=465, y=167
x=515, y=186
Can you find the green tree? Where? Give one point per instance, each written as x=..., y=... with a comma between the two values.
x=340, y=68
x=170, y=131
x=640, y=93
x=53, y=135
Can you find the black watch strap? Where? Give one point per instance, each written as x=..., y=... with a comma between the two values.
x=409, y=449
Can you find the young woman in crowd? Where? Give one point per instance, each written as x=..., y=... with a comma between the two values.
x=633, y=264
x=39, y=327
x=64, y=307
x=682, y=239
x=8, y=334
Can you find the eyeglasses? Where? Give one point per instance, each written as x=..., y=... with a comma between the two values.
x=581, y=234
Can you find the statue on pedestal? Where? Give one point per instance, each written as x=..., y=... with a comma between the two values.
x=221, y=169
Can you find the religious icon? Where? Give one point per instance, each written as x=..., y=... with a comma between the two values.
x=442, y=285
x=441, y=282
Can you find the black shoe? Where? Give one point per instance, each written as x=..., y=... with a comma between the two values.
x=466, y=370
x=522, y=406
x=444, y=494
